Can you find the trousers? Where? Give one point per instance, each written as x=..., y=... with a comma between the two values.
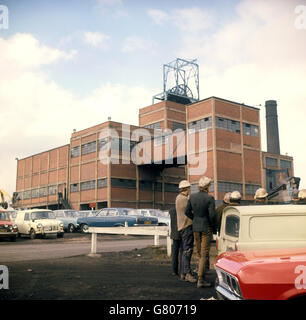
x=187, y=240
x=177, y=256
x=202, y=245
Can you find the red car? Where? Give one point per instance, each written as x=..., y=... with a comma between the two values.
x=277, y=274
x=8, y=229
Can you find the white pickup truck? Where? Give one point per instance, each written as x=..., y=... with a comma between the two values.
x=262, y=227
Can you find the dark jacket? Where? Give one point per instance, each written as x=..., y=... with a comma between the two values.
x=201, y=209
x=175, y=235
x=219, y=212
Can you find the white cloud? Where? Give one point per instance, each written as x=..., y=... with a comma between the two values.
x=37, y=114
x=135, y=43
x=115, y=8
x=96, y=39
x=188, y=19
x=158, y=16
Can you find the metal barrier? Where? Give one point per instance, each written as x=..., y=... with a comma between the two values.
x=155, y=231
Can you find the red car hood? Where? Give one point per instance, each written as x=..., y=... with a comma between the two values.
x=237, y=260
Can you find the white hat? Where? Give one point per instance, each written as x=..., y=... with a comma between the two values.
x=235, y=195
x=227, y=197
x=204, y=182
x=260, y=193
x=184, y=184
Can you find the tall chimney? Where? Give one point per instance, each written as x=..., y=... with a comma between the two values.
x=272, y=127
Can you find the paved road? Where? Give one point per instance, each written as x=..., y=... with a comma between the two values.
x=39, y=249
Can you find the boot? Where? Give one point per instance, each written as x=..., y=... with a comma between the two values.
x=190, y=278
x=203, y=284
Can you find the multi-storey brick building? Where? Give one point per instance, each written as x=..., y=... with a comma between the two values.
x=231, y=154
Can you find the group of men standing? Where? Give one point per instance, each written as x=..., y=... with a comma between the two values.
x=195, y=215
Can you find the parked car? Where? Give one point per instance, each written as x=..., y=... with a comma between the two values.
x=260, y=227
x=162, y=219
x=115, y=217
x=68, y=218
x=273, y=274
x=8, y=229
x=38, y=222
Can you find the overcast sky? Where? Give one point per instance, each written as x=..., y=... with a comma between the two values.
x=71, y=64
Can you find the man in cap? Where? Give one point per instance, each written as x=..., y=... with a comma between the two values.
x=201, y=209
x=301, y=197
x=235, y=198
x=220, y=208
x=177, y=244
x=261, y=196
x=184, y=226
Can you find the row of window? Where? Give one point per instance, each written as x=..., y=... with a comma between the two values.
x=223, y=123
x=272, y=162
x=156, y=125
x=35, y=193
x=116, y=144
x=123, y=183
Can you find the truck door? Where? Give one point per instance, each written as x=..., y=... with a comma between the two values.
x=229, y=233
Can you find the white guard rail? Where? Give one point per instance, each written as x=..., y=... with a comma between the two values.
x=155, y=231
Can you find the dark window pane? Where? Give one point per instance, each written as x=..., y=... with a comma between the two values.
x=232, y=226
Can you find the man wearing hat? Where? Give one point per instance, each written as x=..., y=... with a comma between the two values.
x=184, y=226
x=235, y=198
x=301, y=197
x=201, y=209
x=261, y=196
x=220, y=208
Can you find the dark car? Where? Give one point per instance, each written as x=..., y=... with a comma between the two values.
x=115, y=217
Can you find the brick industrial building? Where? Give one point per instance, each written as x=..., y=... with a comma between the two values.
x=75, y=174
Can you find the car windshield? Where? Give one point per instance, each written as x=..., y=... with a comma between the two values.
x=102, y=213
x=134, y=213
x=156, y=213
x=70, y=214
x=42, y=215
x=5, y=216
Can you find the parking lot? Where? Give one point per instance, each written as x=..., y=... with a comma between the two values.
x=129, y=267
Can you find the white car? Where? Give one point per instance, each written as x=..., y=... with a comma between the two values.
x=38, y=222
x=162, y=219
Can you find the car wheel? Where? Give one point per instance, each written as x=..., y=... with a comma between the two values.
x=32, y=234
x=71, y=228
x=84, y=228
x=13, y=239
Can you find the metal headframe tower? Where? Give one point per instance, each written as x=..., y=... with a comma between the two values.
x=180, y=81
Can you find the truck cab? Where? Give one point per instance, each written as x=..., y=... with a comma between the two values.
x=262, y=226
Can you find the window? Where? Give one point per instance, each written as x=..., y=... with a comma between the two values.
x=178, y=125
x=156, y=125
x=52, y=190
x=43, y=192
x=88, y=185
x=250, y=130
x=35, y=193
x=158, y=186
x=27, y=195
x=229, y=186
x=232, y=226
x=26, y=217
x=170, y=187
x=89, y=147
x=75, y=152
x=124, y=183
x=271, y=162
x=74, y=187
x=251, y=189
x=101, y=143
x=201, y=124
x=284, y=164
x=145, y=185
x=227, y=124
x=102, y=183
